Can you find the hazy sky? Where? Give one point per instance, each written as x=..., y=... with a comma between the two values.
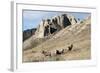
x=31, y=19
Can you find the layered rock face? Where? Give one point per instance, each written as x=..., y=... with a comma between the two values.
x=56, y=23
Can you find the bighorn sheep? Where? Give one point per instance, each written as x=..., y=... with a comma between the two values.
x=70, y=47
x=46, y=53
x=58, y=52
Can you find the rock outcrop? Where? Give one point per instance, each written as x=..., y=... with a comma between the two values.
x=46, y=29
x=56, y=23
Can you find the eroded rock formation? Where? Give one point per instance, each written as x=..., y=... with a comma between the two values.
x=56, y=23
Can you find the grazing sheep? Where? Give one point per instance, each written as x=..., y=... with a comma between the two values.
x=58, y=52
x=70, y=47
x=46, y=53
x=53, y=52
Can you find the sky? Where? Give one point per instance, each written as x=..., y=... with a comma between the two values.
x=31, y=19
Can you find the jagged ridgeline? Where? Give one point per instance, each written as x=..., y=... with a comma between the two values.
x=46, y=29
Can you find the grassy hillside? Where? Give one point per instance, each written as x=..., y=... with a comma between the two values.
x=79, y=35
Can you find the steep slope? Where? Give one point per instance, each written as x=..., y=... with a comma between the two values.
x=47, y=29
x=78, y=34
x=69, y=34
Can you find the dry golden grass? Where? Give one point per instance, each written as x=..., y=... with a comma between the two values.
x=79, y=35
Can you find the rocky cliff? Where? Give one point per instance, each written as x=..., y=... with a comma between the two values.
x=47, y=29
x=55, y=24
